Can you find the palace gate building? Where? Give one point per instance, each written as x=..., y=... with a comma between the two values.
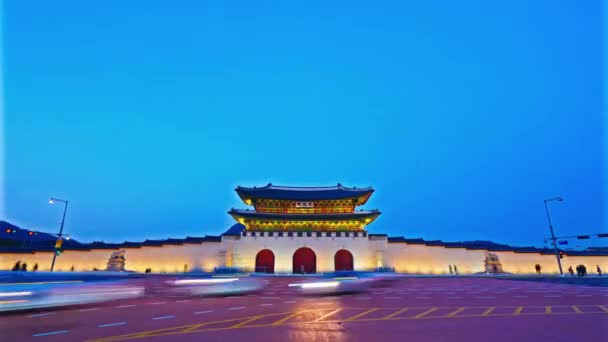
x=304, y=230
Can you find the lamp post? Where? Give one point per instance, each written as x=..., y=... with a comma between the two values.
x=65, y=209
x=553, y=239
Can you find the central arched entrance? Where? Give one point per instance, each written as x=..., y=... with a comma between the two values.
x=304, y=261
x=343, y=260
x=264, y=261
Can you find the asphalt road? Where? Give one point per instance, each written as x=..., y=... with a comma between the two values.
x=415, y=309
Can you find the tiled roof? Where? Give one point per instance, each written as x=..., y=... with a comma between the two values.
x=303, y=193
x=492, y=247
x=280, y=216
x=236, y=229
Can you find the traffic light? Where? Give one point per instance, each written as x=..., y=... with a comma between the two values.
x=8, y=230
x=58, y=252
x=561, y=255
x=30, y=233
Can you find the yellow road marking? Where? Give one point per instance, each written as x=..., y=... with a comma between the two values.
x=488, y=311
x=326, y=315
x=394, y=314
x=246, y=321
x=361, y=314
x=455, y=312
x=188, y=329
x=285, y=319
x=425, y=313
x=194, y=327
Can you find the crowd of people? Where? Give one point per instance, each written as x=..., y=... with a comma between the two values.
x=581, y=270
x=23, y=267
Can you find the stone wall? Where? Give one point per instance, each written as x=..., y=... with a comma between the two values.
x=369, y=252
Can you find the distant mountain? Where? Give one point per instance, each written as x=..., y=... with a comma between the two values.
x=12, y=236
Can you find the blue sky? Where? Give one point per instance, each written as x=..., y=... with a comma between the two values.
x=464, y=116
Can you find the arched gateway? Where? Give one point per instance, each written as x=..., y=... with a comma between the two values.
x=264, y=261
x=304, y=261
x=343, y=260
x=316, y=217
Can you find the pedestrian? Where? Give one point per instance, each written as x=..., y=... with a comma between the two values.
x=599, y=270
x=579, y=270
x=17, y=266
x=571, y=271
x=537, y=267
x=450, y=267
x=455, y=270
x=24, y=267
x=35, y=268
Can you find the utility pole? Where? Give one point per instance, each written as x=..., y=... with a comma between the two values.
x=59, y=240
x=553, y=239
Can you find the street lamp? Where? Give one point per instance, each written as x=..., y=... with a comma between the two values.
x=557, y=199
x=53, y=200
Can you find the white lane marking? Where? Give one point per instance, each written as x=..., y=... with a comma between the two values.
x=520, y=296
x=51, y=333
x=111, y=324
x=202, y=312
x=485, y=297
x=164, y=317
x=269, y=297
x=293, y=301
x=157, y=303
x=423, y=297
x=552, y=296
x=42, y=314
x=583, y=295
x=265, y=304
x=125, y=306
x=237, y=308
x=392, y=297
x=182, y=300
x=454, y=297
x=91, y=309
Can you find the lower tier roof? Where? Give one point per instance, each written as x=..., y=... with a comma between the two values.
x=357, y=215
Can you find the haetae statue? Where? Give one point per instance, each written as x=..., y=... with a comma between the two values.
x=116, y=261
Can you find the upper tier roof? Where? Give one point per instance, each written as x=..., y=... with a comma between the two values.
x=304, y=193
